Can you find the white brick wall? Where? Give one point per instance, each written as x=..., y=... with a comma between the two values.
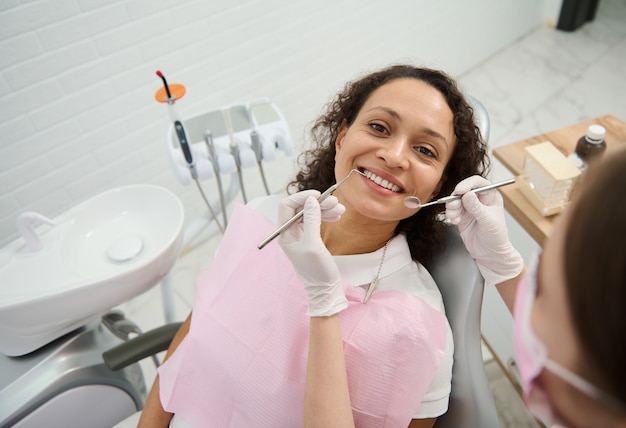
x=77, y=77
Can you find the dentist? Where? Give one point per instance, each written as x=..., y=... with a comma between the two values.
x=569, y=315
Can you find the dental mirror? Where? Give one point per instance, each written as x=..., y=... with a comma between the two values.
x=413, y=202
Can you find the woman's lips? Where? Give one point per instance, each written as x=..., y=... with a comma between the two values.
x=382, y=182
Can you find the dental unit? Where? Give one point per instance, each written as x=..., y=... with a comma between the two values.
x=225, y=141
x=222, y=142
x=183, y=141
x=61, y=278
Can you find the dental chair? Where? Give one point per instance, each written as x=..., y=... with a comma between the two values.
x=461, y=285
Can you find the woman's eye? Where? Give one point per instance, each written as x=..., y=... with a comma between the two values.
x=378, y=127
x=425, y=151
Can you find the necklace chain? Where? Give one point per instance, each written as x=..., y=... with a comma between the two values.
x=372, y=286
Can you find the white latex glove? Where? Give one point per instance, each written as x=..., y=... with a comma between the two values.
x=480, y=218
x=311, y=259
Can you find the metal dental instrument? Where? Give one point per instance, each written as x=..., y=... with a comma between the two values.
x=255, y=139
x=208, y=139
x=415, y=203
x=257, y=147
x=299, y=214
x=234, y=150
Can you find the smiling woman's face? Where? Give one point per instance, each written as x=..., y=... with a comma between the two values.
x=402, y=139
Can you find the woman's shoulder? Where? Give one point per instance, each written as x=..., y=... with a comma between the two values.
x=410, y=276
x=416, y=280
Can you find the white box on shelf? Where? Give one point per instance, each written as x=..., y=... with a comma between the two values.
x=548, y=178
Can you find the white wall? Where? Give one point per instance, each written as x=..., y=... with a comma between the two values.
x=77, y=77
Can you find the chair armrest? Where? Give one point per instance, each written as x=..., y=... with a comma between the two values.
x=140, y=347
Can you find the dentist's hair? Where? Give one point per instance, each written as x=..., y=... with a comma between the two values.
x=424, y=231
x=595, y=273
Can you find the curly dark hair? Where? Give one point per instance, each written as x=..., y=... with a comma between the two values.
x=424, y=231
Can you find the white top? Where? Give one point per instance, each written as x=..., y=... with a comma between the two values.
x=398, y=272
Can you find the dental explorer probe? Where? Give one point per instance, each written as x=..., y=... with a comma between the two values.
x=299, y=214
x=415, y=203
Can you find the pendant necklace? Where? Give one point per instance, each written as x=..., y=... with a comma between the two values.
x=372, y=286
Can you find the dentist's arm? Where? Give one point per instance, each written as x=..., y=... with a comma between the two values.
x=153, y=415
x=508, y=289
x=481, y=223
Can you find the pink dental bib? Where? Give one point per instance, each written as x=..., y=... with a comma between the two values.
x=243, y=362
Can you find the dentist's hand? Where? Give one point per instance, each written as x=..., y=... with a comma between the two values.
x=480, y=218
x=311, y=259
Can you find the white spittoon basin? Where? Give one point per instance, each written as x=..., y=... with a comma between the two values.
x=100, y=253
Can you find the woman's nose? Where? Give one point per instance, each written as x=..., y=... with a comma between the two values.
x=394, y=152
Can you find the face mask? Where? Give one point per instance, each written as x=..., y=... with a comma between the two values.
x=532, y=357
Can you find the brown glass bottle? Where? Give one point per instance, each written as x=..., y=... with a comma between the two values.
x=592, y=144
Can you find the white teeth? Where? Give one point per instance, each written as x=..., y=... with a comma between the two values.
x=381, y=182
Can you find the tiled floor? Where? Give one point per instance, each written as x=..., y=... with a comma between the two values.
x=550, y=79
x=545, y=80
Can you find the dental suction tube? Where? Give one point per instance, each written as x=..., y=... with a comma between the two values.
x=208, y=139
x=234, y=150
x=255, y=139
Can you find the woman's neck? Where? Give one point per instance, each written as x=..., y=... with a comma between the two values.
x=346, y=237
